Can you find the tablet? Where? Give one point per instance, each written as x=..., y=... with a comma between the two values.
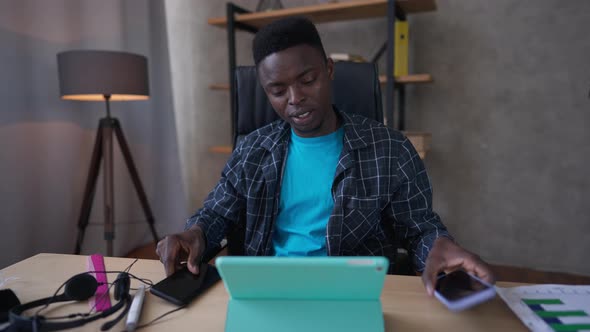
x=299, y=293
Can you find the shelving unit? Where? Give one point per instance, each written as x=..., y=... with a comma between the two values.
x=329, y=12
x=406, y=79
x=238, y=18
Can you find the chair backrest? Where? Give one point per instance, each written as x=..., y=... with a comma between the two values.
x=355, y=89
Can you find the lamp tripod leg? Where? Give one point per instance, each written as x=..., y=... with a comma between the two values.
x=89, y=190
x=108, y=179
x=135, y=177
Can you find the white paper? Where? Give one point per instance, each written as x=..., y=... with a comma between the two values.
x=574, y=299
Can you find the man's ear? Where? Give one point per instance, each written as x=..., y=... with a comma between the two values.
x=330, y=67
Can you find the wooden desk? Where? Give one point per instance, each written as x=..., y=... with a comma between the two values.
x=406, y=306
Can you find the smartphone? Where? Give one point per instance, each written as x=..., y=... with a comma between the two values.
x=460, y=290
x=182, y=286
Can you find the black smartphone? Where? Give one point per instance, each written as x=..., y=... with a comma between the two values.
x=460, y=290
x=182, y=286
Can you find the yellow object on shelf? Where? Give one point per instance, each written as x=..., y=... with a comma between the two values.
x=400, y=67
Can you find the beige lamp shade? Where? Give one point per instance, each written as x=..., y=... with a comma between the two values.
x=90, y=75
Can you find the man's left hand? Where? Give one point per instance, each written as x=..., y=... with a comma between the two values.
x=447, y=256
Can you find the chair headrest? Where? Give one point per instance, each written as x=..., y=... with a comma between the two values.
x=355, y=90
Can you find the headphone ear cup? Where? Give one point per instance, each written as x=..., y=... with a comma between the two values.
x=122, y=286
x=79, y=288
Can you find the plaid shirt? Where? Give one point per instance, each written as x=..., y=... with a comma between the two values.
x=382, y=194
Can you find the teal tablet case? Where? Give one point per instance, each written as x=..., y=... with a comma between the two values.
x=303, y=293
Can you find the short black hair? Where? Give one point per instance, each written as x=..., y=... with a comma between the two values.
x=285, y=33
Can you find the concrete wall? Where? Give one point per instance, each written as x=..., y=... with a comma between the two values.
x=507, y=111
x=198, y=55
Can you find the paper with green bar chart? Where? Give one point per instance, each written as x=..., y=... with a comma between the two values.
x=550, y=307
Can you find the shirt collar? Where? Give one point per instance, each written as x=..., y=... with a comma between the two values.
x=355, y=136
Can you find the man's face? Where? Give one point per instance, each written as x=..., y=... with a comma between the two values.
x=298, y=83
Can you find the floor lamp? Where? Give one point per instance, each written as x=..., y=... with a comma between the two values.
x=91, y=75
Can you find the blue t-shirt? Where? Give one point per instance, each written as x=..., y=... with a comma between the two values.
x=306, y=203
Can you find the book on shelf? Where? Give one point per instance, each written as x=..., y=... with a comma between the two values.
x=346, y=57
x=400, y=66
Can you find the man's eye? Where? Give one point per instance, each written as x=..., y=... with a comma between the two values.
x=308, y=81
x=277, y=93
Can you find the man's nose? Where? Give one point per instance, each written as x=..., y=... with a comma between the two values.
x=295, y=95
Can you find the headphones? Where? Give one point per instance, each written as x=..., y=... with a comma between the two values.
x=78, y=288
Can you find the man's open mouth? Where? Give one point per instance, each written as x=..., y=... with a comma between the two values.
x=302, y=115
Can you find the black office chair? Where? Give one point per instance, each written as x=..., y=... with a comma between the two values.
x=355, y=89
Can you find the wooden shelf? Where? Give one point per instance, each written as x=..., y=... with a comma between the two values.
x=407, y=79
x=420, y=140
x=219, y=86
x=226, y=149
x=329, y=12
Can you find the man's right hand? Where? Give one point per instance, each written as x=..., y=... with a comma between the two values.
x=188, y=245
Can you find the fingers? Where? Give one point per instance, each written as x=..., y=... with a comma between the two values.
x=193, y=262
x=173, y=248
x=434, y=266
x=169, y=267
x=429, y=280
x=167, y=249
x=195, y=251
x=447, y=256
x=481, y=270
x=436, y=262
